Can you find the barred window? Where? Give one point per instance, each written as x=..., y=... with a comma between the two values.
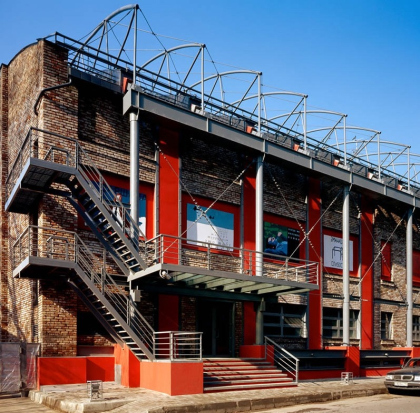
x=386, y=263
x=416, y=328
x=285, y=321
x=333, y=323
x=386, y=326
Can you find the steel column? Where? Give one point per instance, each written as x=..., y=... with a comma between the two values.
x=409, y=269
x=346, y=266
x=259, y=218
x=259, y=330
x=134, y=166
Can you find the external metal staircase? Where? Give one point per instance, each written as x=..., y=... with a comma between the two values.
x=110, y=302
x=45, y=163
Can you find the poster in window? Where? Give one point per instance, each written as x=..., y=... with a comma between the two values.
x=333, y=252
x=281, y=240
x=210, y=226
x=125, y=200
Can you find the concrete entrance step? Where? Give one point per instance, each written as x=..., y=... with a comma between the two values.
x=242, y=374
x=251, y=386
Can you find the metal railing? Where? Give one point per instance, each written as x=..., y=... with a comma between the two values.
x=166, y=249
x=59, y=149
x=56, y=244
x=177, y=345
x=106, y=66
x=281, y=358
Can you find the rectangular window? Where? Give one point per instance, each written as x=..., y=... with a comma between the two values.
x=416, y=268
x=284, y=321
x=416, y=328
x=386, y=263
x=386, y=326
x=333, y=323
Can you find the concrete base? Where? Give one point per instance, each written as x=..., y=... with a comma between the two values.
x=172, y=378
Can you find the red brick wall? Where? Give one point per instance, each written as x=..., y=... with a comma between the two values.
x=4, y=246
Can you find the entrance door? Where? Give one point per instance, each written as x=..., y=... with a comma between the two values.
x=215, y=320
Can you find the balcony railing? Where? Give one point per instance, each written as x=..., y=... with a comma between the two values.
x=54, y=244
x=61, y=150
x=166, y=249
x=177, y=345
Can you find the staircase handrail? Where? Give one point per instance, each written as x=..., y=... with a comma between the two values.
x=40, y=241
x=282, y=358
x=33, y=242
x=83, y=163
x=178, y=345
x=113, y=292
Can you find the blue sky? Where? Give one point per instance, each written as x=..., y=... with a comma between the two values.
x=357, y=57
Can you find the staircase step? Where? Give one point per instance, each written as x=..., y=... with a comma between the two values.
x=92, y=208
x=275, y=373
x=236, y=363
x=247, y=387
x=242, y=374
x=238, y=368
x=279, y=380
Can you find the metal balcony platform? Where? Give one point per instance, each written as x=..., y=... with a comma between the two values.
x=194, y=281
x=43, y=268
x=33, y=181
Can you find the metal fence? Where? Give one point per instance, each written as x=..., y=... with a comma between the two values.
x=17, y=367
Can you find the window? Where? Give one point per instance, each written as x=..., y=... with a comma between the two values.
x=386, y=326
x=416, y=268
x=386, y=263
x=284, y=321
x=416, y=328
x=333, y=323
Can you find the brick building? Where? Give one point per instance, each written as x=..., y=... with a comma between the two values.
x=244, y=230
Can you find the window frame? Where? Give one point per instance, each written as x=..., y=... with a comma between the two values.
x=387, y=332
x=416, y=327
x=386, y=260
x=286, y=312
x=337, y=327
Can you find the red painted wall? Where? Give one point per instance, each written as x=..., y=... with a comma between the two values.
x=250, y=325
x=352, y=361
x=315, y=297
x=168, y=312
x=249, y=186
x=74, y=370
x=169, y=217
x=255, y=351
x=172, y=378
x=100, y=368
x=168, y=182
x=366, y=231
x=130, y=366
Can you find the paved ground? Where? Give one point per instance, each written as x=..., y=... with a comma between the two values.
x=22, y=405
x=73, y=398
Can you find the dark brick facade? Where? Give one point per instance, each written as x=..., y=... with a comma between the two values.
x=46, y=311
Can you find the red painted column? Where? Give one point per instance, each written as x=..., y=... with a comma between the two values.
x=249, y=183
x=366, y=231
x=315, y=297
x=169, y=183
x=169, y=204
